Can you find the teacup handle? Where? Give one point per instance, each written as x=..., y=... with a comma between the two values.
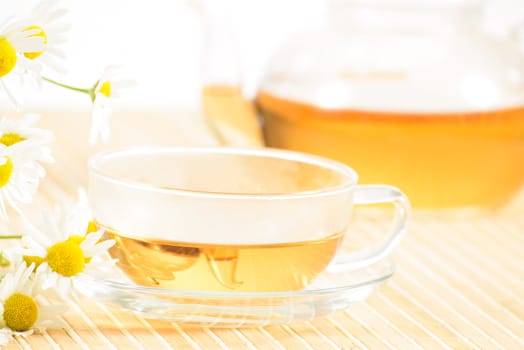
x=374, y=194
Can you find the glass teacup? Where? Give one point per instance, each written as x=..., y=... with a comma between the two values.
x=222, y=219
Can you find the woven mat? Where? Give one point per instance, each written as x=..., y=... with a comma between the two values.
x=459, y=282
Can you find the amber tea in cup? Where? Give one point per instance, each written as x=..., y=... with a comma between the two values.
x=239, y=220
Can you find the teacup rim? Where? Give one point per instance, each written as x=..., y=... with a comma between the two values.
x=350, y=175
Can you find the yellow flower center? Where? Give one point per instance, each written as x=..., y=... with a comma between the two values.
x=66, y=258
x=20, y=312
x=41, y=33
x=79, y=239
x=7, y=57
x=4, y=261
x=105, y=89
x=91, y=227
x=11, y=138
x=6, y=170
x=75, y=239
x=29, y=259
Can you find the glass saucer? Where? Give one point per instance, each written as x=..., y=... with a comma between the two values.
x=329, y=292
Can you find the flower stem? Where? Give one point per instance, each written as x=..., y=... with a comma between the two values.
x=69, y=87
x=11, y=237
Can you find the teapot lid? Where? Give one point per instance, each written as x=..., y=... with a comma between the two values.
x=415, y=73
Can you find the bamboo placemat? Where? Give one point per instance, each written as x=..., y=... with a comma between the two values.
x=459, y=282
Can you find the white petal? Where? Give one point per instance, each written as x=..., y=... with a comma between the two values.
x=13, y=100
x=29, y=44
x=5, y=338
x=63, y=286
x=50, y=279
x=3, y=211
x=33, y=247
x=55, y=15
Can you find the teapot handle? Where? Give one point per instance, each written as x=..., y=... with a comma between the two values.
x=231, y=118
x=516, y=35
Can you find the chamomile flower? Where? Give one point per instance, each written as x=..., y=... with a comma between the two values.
x=20, y=313
x=48, y=20
x=14, y=130
x=20, y=174
x=106, y=88
x=15, y=39
x=64, y=246
x=22, y=148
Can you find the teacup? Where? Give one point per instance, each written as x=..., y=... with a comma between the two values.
x=223, y=219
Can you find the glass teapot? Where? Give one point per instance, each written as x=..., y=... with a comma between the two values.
x=408, y=92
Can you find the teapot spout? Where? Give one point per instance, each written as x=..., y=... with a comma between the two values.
x=231, y=118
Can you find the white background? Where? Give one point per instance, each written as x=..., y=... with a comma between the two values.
x=159, y=43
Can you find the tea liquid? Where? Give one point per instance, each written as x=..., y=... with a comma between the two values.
x=439, y=160
x=211, y=267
